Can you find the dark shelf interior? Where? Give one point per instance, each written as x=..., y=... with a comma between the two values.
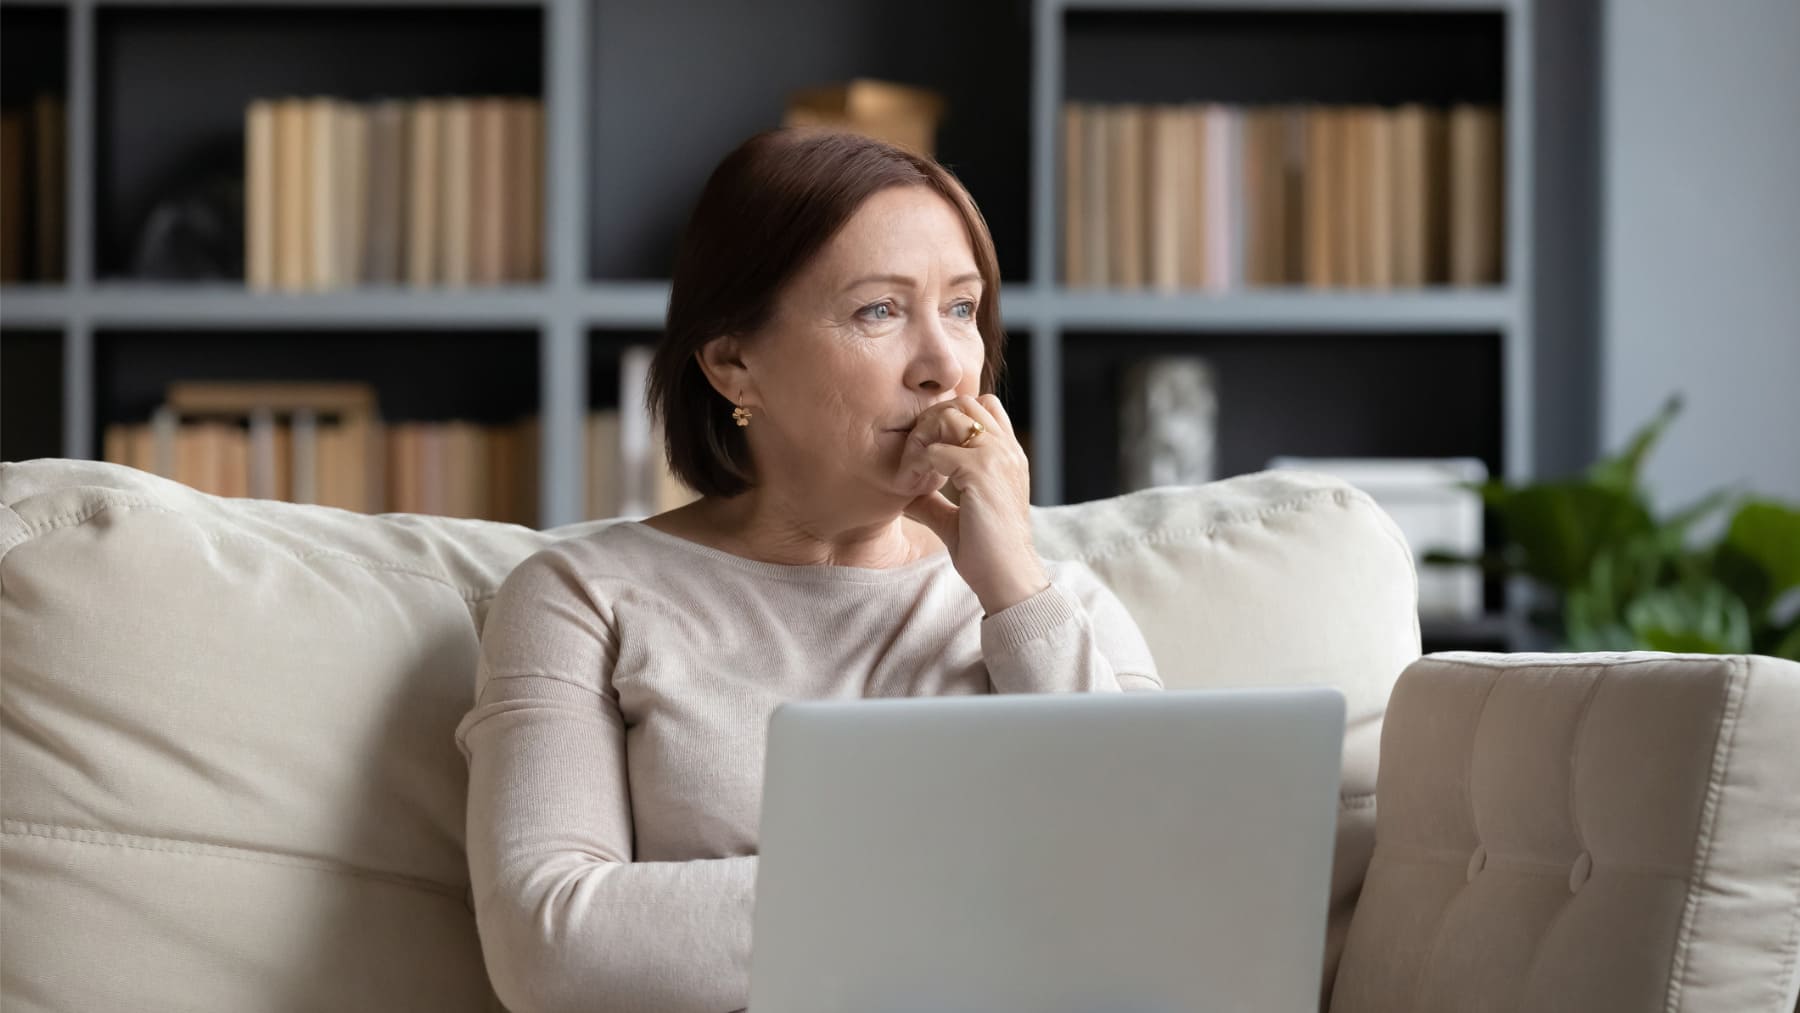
x=1490, y=632
x=174, y=83
x=33, y=63
x=604, y=349
x=1250, y=57
x=1313, y=395
x=33, y=53
x=31, y=387
x=660, y=124
x=488, y=376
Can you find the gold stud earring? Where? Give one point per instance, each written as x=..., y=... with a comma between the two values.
x=741, y=416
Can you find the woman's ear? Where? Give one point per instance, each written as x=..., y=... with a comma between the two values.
x=721, y=359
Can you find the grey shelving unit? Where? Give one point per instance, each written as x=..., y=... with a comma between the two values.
x=576, y=301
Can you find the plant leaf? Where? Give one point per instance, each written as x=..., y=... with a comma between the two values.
x=1561, y=527
x=1620, y=472
x=1789, y=645
x=1768, y=533
x=1704, y=618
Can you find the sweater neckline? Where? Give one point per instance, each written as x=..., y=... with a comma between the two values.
x=796, y=571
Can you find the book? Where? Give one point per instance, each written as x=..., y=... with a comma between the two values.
x=1437, y=196
x=352, y=190
x=1169, y=185
x=528, y=439
x=1096, y=141
x=1409, y=195
x=603, y=464
x=385, y=208
x=636, y=494
x=1321, y=207
x=231, y=443
x=1346, y=268
x=425, y=199
x=1378, y=180
x=349, y=465
x=293, y=195
x=304, y=479
x=1265, y=196
x=1191, y=125
x=1074, y=183
x=262, y=454
x=669, y=491
x=1475, y=195
x=165, y=439
x=534, y=188
x=115, y=444
x=1353, y=194
x=1187, y=200
x=494, y=182
x=1222, y=196
x=403, y=492
x=1127, y=211
x=516, y=194
x=1295, y=210
x=259, y=195
x=455, y=269
x=321, y=180
x=333, y=453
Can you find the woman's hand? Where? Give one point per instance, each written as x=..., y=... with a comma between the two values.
x=988, y=531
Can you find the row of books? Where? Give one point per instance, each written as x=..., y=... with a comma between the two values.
x=454, y=469
x=1217, y=197
x=420, y=193
x=32, y=151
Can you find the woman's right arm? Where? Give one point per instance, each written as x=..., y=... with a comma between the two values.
x=567, y=920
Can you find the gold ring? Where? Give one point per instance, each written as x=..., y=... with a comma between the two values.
x=975, y=430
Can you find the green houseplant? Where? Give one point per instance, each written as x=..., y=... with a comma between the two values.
x=1620, y=578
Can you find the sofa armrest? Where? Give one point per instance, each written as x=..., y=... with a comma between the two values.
x=1595, y=832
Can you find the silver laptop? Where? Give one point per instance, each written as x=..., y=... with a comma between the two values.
x=1070, y=852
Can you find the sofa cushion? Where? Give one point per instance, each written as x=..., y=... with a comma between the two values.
x=1276, y=579
x=1595, y=833
x=229, y=781
x=227, y=773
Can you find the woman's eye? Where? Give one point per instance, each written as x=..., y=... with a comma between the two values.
x=967, y=308
x=879, y=311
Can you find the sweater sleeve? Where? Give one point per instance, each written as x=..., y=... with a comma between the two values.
x=1073, y=636
x=567, y=920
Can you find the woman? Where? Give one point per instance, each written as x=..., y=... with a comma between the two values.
x=833, y=340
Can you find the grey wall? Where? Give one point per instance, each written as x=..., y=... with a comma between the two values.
x=1565, y=256
x=1700, y=238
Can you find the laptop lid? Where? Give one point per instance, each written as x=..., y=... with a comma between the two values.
x=1083, y=852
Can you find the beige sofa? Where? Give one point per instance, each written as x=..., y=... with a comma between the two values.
x=229, y=782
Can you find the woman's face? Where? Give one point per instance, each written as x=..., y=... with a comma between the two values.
x=876, y=328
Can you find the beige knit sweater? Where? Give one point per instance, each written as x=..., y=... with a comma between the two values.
x=615, y=747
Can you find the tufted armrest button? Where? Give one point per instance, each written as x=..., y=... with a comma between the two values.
x=1477, y=861
x=1579, y=872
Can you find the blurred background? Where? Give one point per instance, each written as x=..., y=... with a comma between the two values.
x=1525, y=270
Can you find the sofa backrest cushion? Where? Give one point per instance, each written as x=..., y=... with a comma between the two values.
x=1275, y=579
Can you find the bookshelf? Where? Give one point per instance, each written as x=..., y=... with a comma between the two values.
x=1441, y=369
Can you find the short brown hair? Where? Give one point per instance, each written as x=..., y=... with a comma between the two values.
x=767, y=209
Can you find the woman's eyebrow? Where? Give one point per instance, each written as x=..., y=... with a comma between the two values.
x=901, y=279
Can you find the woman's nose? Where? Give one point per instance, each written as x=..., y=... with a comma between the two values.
x=935, y=365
